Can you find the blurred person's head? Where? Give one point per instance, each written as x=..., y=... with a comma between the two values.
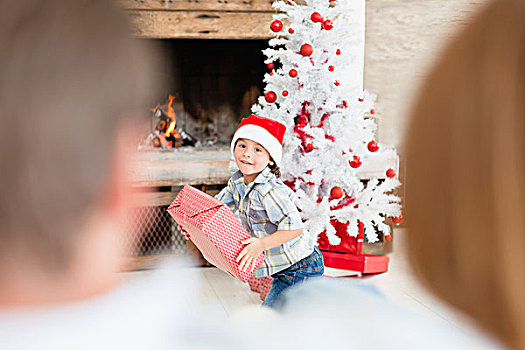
x=70, y=75
x=466, y=173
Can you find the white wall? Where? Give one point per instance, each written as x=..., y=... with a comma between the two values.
x=402, y=38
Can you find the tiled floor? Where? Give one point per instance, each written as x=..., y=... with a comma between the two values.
x=225, y=294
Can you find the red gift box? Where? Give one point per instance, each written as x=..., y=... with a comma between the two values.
x=213, y=228
x=261, y=285
x=348, y=255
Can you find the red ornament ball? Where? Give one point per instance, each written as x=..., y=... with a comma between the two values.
x=337, y=192
x=397, y=219
x=271, y=73
x=361, y=99
x=270, y=65
x=372, y=146
x=372, y=111
x=327, y=25
x=309, y=147
x=293, y=73
x=270, y=96
x=316, y=17
x=285, y=93
x=338, y=52
x=331, y=68
x=388, y=238
x=390, y=173
x=356, y=162
x=276, y=26
x=291, y=31
x=306, y=49
x=337, y=83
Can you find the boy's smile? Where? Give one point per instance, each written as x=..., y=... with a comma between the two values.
x=251, y=158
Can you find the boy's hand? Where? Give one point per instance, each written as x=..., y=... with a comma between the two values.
x=184, y=232
x=254, y=248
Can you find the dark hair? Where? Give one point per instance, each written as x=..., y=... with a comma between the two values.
x=274, y=168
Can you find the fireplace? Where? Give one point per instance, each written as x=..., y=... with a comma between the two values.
x=210, y=84
x=212, y=59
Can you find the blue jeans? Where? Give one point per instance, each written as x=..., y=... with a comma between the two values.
x=311, y=266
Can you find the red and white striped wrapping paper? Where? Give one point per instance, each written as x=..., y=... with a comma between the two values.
x=213, y=228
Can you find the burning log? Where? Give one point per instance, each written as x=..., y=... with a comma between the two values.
x=174, y=139
x=161, y=125
x=166, y=133
x=166, y=120
x=155, y=142
x=187, y=139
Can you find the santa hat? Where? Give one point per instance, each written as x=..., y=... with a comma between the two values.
x=267, y=132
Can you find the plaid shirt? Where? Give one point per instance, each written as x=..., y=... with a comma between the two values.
x=265, y=206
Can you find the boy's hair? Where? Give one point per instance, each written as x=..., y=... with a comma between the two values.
x=69, y=74
x=466, y=184
x=274, y=168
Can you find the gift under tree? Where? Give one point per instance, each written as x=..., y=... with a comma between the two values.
x=314, y=88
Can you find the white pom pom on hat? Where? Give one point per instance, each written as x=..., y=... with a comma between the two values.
x=267, y=132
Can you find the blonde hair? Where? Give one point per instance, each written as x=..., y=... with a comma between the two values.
x=70, y=74
x=466, y=173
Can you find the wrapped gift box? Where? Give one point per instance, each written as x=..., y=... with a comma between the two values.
x=348, y=254
x=213, y=228
x=261, y=285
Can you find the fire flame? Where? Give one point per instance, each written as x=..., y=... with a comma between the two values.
x=170, y=129
x=172, y=115
x=166, y=136
x=171, y=112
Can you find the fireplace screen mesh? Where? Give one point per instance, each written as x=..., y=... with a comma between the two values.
x=152, y=231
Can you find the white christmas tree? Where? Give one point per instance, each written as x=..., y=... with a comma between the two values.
x=330, y=132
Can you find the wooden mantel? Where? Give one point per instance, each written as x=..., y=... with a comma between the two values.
x=195, y=166
x=200, y=19
x=178, y=167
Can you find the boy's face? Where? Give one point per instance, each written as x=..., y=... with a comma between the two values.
x=251, y=157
